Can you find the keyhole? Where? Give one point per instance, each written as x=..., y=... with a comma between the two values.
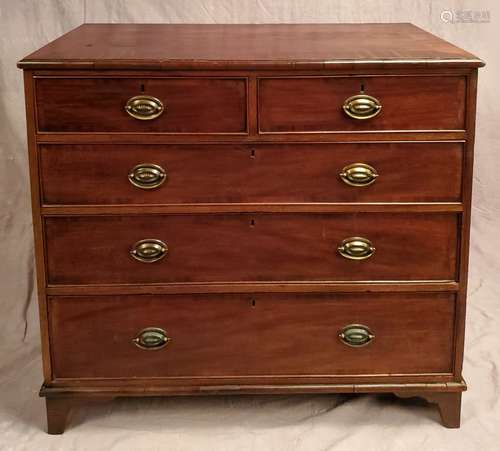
x=252, y=222
x=252, y=301
x=362, y=88
x=142, y=87
x=252, y=153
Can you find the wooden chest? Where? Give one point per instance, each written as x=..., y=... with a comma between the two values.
x=251, y=209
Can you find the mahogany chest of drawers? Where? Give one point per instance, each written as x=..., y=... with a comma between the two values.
x=251, y=209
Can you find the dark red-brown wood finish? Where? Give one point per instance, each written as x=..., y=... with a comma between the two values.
x=239, y=174
x=410, y=103
x=279, y=46
x=245, y=247
x=274, y=335
x=254, y=150
x=194, y=105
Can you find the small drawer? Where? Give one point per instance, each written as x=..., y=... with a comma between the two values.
x=274, y=335
x=246, y=247
x=176, y=174
x=161, y=105
x=350, y=104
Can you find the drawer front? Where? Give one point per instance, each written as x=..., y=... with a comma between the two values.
x=190, y=105
x=275, y=334
x=245, y=247
x=315, y=104
x=111, y=174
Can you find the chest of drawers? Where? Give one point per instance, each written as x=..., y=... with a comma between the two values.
x=251, y=209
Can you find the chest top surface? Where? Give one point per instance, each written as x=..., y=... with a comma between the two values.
x=276, y=46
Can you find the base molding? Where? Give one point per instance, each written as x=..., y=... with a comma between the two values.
x=60, y=400
x=150, y=389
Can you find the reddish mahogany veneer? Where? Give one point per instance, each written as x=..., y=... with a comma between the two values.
x=408, y=172
x=252, y=139
x=278, y=247
x=274, y=335
x=192, y=105
x=408, y=103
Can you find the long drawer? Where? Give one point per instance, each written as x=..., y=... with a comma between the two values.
x=371, y=103
x=169, y=105
x=357, y=172
x=246, y=247
x=238, y=335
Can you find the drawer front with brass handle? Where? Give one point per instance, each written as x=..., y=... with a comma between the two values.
x=151, y=339
x=372, y=103
x=142, y=105
x=322, y=335
x=251, y=247
x=237, y=173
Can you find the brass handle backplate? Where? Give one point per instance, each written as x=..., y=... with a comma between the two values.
x=144, y=107
x=356, y=335
x=151, y=339
x=149, y=250
x=362, y=106
x=356, y=248
x=147, y=176
x=358, y=174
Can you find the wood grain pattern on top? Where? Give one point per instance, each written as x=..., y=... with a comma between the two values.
x=158, y=46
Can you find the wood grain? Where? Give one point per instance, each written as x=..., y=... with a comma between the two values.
x=96, y=390
x=58, y=410
x=319, y=207
x=253, y=138
x=275, y=334
x=312, y=104
x=255, y=287
x=38, y=234
x=286, y=247
x=408, y=172
x=297, y=46
x=98, y=105
x=465, y=223
x=448, y=403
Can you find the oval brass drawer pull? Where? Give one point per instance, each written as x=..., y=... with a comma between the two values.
x=356, y=335
x=151, y=339
x=149, y=250
x=358, y=174
x=356, y=248
x=362, y=106
x=147, y=176
x=144, y=108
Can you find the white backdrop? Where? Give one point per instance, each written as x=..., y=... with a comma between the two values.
x=244, y=423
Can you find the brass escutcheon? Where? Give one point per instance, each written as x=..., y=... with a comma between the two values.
x=358, y=174
x=356, y=248
x=147, y=176
x=149, y=250
x=151, y=339
x=356, y=335
x=362, y=106
x=144, y=107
